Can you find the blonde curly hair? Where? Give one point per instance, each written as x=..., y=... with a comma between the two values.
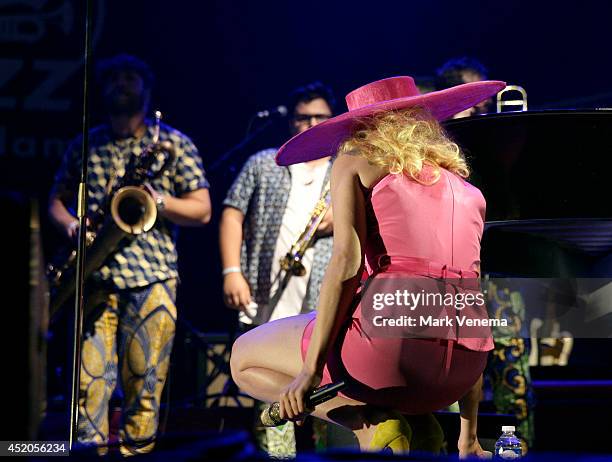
x=403, y=141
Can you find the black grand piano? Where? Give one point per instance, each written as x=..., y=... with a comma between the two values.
x=546, y=174
x=547, y=179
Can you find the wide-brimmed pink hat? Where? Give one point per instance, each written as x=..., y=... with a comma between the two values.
x=383, y=95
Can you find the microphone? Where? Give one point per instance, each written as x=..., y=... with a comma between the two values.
x=280, y=111
x=270, y=416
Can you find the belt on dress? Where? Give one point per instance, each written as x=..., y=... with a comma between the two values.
x=423, y=266
x=429, y=268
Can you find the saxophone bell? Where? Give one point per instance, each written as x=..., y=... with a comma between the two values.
x=133, y=210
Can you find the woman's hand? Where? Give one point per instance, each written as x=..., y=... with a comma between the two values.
x=470, y=447
x=292, y=406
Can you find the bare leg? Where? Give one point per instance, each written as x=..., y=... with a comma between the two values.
x=267, y=359
x=468, y=441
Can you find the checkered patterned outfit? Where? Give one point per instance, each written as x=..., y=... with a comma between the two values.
x=260, y=192
x=151, y=256
x=129, y=333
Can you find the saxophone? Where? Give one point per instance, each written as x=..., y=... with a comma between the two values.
x=132, y=211
x=292, y=261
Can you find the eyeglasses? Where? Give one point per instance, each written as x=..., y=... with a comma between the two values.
x=303, y=119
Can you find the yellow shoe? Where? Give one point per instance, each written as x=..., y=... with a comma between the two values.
x=427, y=434
x=392, y=435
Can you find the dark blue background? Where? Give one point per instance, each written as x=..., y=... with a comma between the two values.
x=218, y=62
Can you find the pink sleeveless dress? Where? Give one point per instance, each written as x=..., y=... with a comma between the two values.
x=416, y=230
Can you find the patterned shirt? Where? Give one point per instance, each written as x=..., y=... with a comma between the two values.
x=260, y=192
x=150, y=257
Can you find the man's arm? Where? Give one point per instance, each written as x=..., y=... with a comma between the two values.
x=64, y=221
x=230, y=237
x=190, y=205
x=235, y=287
x=191, y=209
x=64, y=190
x=236, y=290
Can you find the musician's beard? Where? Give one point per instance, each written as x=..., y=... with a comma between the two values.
x=123, y=103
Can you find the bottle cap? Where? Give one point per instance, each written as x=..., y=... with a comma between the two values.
x=508, y=428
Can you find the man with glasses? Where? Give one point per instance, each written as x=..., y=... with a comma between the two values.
x=266, y=210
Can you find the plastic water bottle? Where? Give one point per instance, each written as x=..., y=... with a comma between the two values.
x=508, y=446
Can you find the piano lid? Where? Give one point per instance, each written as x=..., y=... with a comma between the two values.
x=587, y=236
x=540, y=164
x=547, y=179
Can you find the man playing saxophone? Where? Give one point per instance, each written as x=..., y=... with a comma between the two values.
x=132, y=295
x=267, y=210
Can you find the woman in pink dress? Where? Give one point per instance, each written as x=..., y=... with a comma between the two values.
x=401, y=207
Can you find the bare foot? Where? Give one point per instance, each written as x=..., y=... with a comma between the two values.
x=472, y=448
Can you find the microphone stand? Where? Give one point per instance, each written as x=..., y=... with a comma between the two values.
x=245, y=141
x=81, y=211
